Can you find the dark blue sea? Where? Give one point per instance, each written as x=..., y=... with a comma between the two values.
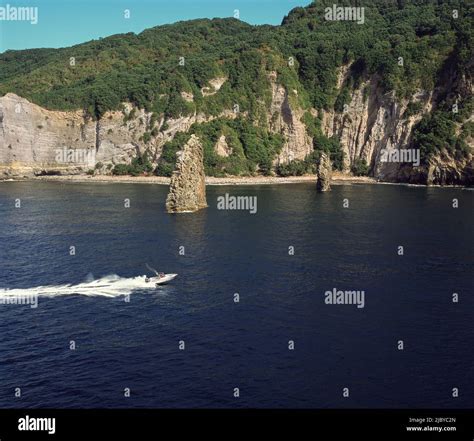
x=127, y=337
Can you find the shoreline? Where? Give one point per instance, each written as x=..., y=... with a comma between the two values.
x=229, y=180
x=337, y=179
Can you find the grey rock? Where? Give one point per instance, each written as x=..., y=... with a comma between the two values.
x=187, y=191
x=324, y=173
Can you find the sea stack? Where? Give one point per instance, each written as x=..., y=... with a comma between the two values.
x=324, y=172
x=188, y=187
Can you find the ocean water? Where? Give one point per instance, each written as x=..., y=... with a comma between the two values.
x=127, y=335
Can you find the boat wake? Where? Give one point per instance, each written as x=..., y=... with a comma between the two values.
x=107, y=286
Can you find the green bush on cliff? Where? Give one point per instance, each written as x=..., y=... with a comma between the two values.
x=146, y=137
x=332, y=146
x=251, y=147
x=360, y=167
x=322, y=143
x=343, y=99
x=139, y=165
x=167, y=161
x=120, y=170
x=435, y=133
x=164, y=169
x=293, y=168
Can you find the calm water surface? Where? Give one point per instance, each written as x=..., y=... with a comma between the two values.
x=134, y=344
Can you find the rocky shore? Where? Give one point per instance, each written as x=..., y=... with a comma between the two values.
x=337, y=178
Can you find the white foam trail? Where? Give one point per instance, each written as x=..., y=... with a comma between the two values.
x=107, y=286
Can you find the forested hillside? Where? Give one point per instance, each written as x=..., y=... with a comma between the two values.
x=404, y=48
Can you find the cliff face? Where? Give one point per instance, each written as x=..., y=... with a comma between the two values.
x=285, y=119
x=35, y=141
x=375, y=126
x=287, y=86
x=188, y=187
x=30, y=136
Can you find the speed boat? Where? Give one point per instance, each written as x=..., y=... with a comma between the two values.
x=160, y=278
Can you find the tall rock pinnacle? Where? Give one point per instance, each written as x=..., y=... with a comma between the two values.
x=187, y=191
x=324, y=172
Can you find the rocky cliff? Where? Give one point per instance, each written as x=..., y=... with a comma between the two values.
x=376, y=126
x=187, y=191
x=372, y=127
x=392, y=99
x=285, y=119
x=36, y=141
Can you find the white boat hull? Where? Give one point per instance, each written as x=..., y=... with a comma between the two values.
x=157, y=281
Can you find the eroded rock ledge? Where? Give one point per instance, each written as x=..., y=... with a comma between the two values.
x=188, y=187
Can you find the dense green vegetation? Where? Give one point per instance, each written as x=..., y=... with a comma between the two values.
x=422, y=32
x=321, y=143
x=145, y=69
x=252, y=148
x=407, y=44
x=436, y=132
x=360, y=167
x=139, y=165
